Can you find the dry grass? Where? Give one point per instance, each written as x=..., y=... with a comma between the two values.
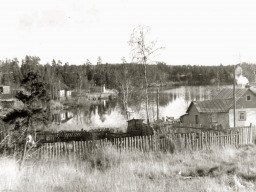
x=211, y=170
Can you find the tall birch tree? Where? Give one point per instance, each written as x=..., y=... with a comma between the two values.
x=142, y=52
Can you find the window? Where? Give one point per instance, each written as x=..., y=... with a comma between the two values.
x=248, y=98
x=196, y=119
x=241, y=116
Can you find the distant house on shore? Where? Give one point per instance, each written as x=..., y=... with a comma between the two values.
x=68, y=93
x=64, y=94
x=4, y=89
x=61, y=93
x=98, y=89
x=220, y=110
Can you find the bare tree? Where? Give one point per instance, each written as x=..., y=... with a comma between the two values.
x=142, y=51
x=125, y=88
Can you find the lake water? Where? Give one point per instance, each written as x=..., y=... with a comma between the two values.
x=173, y=102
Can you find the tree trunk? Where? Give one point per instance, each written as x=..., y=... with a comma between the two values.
x=146, y=91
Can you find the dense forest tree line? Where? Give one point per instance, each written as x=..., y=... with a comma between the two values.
x=58, y=75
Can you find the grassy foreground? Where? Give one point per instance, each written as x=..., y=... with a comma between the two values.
x=228, y=169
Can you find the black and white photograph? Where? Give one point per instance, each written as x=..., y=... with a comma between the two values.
x=127, y=96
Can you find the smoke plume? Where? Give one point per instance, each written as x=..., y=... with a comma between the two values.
x=240, y=79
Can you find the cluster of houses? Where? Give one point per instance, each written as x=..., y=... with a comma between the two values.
x=8, y=100
x=220, y=110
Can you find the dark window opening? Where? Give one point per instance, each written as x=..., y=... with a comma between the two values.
x=196, y=119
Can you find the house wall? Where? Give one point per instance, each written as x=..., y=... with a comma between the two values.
x=242, y=103
x=222, y=118
x=6, y=90
x=62, y=93
x=205, y=118
x=68, y=93
x=249, y=107
x=62, y=116
x=250, y=117
x=190, y=118
x=135, y=126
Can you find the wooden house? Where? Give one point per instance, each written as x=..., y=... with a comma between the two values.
x=220, y=110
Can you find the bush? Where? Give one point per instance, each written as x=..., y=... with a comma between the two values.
x=103, y=158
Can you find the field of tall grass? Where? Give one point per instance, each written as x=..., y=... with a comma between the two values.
x=212, y=170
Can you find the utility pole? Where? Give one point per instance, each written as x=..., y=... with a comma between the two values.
x=59, y=90
x=157, y=104
x=234, y=95
x=218, y=80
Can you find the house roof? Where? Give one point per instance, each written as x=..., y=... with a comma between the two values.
x=227, y=93
x=184, y=115
x=253, y=89
x=253, y=84
x=212, y=106
x=60, y=85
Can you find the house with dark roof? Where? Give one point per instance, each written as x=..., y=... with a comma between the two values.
x=220, y=110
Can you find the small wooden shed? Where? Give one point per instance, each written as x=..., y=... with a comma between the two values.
x=137, y=127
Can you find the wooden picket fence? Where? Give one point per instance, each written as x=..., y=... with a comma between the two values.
x=166, y=143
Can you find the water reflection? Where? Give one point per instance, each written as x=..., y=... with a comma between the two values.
x=173, y=102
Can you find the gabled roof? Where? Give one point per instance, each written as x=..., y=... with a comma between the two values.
x=212, y=106
x=227, y=93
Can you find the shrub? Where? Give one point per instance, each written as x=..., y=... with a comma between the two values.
x=103, y=158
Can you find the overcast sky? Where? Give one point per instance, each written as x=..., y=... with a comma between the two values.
x=200, y=32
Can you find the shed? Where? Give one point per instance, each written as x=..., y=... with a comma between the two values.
x=137, y=127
